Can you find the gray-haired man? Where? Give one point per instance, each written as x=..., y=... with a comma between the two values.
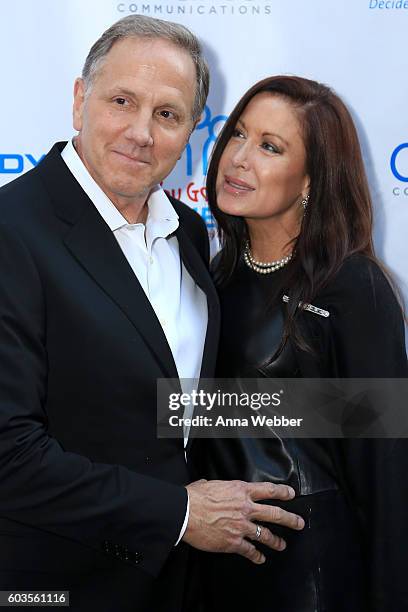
x=104, y=288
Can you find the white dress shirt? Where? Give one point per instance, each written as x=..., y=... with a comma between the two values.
x=152, y=251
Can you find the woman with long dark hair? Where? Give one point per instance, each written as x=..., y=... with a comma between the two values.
x=288, y=189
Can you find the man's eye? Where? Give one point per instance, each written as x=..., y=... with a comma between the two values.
x=120, y=101
x=167, y=114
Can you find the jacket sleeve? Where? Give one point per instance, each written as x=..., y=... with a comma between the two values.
x=365, y=338
x=41, y=484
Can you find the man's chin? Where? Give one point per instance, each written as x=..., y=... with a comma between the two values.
x=131, y=191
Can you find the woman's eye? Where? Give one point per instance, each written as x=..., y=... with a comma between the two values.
x=270, y=147
x=237, y=133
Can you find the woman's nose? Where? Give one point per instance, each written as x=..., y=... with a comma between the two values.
x=240, y=157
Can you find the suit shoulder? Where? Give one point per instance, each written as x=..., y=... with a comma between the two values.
x=20, y=197
x=20, y=185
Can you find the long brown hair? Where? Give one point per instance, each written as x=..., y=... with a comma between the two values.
x=338, y=221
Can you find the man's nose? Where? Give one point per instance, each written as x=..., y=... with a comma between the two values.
x=140, y=129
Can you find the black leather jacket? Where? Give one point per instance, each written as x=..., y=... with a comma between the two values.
x=250, y=348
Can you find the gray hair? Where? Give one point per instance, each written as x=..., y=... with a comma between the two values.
x=140, y=26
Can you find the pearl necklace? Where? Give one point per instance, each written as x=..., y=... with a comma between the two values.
x=263, y=267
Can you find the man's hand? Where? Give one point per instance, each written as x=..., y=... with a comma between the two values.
x=222, y=515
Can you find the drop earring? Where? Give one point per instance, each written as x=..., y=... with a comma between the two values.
x=305, y=202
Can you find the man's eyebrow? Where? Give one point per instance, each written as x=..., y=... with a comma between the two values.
x=121, y=90
x=118, y=91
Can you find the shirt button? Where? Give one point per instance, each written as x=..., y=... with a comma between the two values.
x=151, y=260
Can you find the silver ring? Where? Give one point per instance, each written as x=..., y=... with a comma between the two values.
x=258, y=532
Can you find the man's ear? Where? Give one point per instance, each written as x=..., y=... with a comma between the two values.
x=79, y=101
x=189, y=134
x=194, y=125
x=196, y=122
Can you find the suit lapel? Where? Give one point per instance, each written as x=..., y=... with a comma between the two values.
x=93, y=244
x=200, y=274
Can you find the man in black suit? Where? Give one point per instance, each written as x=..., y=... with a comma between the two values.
x=104, y=288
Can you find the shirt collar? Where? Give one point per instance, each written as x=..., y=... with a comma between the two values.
x=162, y=219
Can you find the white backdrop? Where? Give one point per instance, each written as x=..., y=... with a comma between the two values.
x=356, y=46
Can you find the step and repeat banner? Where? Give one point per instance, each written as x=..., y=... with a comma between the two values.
x=358, y=47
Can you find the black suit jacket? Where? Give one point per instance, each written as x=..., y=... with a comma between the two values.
x=90, y=499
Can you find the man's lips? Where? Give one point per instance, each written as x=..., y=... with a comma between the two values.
x=236, y=186
x=133, y=158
